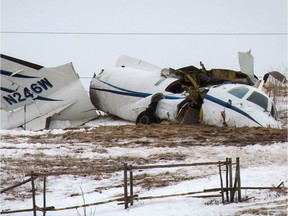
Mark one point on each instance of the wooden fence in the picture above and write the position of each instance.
(44, 209)
(229, 188)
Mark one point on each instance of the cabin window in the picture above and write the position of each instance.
(258, 99)
(239, 91)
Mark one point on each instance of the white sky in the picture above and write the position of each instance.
(265, 21)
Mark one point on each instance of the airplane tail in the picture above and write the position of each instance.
(30, 94)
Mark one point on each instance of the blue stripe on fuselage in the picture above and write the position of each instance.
(127, 92)
(133, 94)
(229, 106)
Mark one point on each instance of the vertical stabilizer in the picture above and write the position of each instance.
(246, 62)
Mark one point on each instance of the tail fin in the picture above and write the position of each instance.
(246, 62)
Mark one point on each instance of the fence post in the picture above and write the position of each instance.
(231, 180)
(33, 194)
(131, 185)
(227, 179)
(44, 196)
(238, 178)
(221, 182)
(125, 186)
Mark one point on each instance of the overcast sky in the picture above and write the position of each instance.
(169, 33)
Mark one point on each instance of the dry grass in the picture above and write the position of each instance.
(162, 179)
(160, 135)
(278, 208)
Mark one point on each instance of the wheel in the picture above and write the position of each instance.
(146, 117)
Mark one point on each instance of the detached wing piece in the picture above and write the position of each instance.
(37, 97)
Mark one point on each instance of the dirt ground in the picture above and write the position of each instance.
(163, 134)
(168, 134)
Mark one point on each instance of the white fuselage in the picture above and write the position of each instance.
(127, 92)
(130, 89)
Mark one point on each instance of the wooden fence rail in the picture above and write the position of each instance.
(16, 185)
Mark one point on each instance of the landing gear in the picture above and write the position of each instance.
(146, 117)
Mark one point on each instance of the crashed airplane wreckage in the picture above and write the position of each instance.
(144, 93)
(35, 97)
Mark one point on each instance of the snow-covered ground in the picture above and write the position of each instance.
(261, 165)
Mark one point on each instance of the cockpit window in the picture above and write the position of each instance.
(239, 91)
(258, 99)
